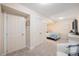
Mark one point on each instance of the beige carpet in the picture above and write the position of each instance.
(47, 48)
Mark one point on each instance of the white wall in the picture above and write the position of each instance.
(38, 30)
(35, 19)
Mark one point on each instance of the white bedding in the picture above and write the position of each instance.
(54, 35)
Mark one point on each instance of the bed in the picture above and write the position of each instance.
(53, 36)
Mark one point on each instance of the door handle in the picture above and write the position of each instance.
(22, 34)
(40, 33)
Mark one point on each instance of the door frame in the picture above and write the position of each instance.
(5, 33)
(4, 10)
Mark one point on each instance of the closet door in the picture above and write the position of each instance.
(15, 33)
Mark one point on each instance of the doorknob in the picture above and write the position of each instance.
(40, 33)
(22, 34)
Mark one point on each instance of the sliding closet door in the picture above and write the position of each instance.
(15, 32)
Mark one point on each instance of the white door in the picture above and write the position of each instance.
(15, 32)
(43, 30)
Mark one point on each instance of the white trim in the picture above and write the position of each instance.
(5, 37)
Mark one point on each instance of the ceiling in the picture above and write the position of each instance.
(52, 9)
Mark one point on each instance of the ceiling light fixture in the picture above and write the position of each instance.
(43, 3)
(61, 18)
